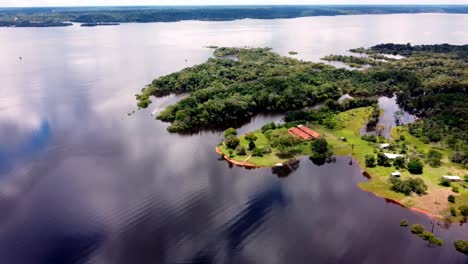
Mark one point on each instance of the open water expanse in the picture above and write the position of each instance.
(82, 182)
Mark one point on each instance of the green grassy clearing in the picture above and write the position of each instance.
(348, 126)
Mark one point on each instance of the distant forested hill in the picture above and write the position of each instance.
(56, 16)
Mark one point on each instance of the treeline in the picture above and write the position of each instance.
(430, 85)
(33, 24)
(352, 61)
(207, 13)
(326, 114)
(408, 49)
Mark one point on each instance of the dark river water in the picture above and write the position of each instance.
(83, 182)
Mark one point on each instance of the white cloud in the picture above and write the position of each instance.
(16, 3)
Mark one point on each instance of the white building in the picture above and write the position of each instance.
(393, 156)
(451, 178)
(395, 174)
(384, 145)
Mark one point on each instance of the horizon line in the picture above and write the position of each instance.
(233, 5)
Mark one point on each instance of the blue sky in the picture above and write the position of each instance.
(213, 2)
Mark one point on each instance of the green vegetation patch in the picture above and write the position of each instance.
(419, 231)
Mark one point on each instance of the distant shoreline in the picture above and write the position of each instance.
(61, 16)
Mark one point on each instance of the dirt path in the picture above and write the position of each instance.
(247, 158)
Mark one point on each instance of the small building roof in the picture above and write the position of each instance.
(452, 178)
(309, 131)
(294, 131)
(396, 173)
(393, 156)
(279, 164)
(384, 145)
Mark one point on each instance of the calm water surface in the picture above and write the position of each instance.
(82, 182)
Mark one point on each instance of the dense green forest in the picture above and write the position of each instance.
(430, 81)
(54, 16)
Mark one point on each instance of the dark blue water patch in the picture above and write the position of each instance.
(34, 143)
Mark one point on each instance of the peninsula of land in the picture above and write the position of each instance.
(422, 165)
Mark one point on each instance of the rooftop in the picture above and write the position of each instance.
(454, 178)
(309, 131)
(294, 131)
(393, 156)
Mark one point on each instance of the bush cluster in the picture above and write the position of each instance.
(408, 186)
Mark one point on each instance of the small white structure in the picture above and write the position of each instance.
(279, 165)
(395, 174)
(452, 178)
(384, 145)
(393, 156)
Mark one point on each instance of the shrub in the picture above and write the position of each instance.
(408, 186)
(461, 246)
(417, 185)
(382, 160)
(404, 223)
(240, 150)
(402, 138)
(231, 155)
(455, 189)
(370, 160)
(464, 210)
(257, 152)
(415, 166)
(400, 186)
(268, 126)
(453, 211)
(251, 145)
(445, 182)
(457, 157)
(426, 235)
(286, 152)
(230, 132)
(370, 138)
(399, 162)
(232, 142)
(436, 241)
(451, 198)
(417, 229)
(434, 157)
(320, 145)
(251, 137)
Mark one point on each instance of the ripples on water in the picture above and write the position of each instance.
(83, 182)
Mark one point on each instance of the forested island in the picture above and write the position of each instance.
(60, 16)
(410, 167)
